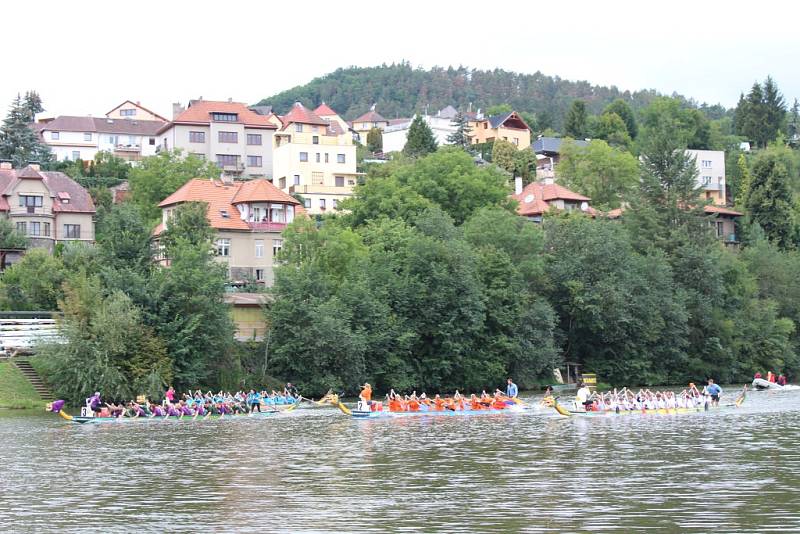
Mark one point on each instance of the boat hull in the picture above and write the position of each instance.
(357, 414)
(761, 384)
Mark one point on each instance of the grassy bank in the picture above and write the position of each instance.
(15, 390)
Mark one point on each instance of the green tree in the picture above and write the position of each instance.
(188, 224)
(624, 111)
(575, 123)
(33, 283)
(793, 124)
(608, 175)
(761, 115)
(611, 128)
(770, 201)
(525, 164)
(18, 142)
(461, 137)
(10, 240)
(375, 140)
(124, 239)
(690, 127)
(32, 104)
(503, 155)
(420, 141)
(157, 177)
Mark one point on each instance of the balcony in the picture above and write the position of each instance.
(321, 189)
(127, 148)
(232, 168)
(713, 185)
(266, 226)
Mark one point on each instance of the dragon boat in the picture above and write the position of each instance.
(705, 407)
(362, 411)
(761, 384)
(85, 417)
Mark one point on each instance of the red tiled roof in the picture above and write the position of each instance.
(68, 123)
(722, 210)
(199, 112)
(58, 184)
(221, 198)
(303, 115)
(324, 110)
(535, 197)
(370, 116)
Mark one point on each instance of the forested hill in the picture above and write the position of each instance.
(399, 90)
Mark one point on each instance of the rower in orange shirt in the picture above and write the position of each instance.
(413, 404)
(438, 403)
(474, 403)
(498, 403)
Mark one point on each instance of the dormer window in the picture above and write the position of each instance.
(64, 197)
(224, 117)
(225, 214)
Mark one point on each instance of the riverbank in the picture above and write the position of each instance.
(15, 390)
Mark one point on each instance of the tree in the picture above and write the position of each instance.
(624, 111)
(32, 104)
(611, 128)
(10, 240)
(770, 201)
(608, 175)
(420, 141)
(188, 224)
(525, 164)
(124, 238)
(503, 155)
(689, 126)
(575, 122)
(461, 137)
(761, 115)
(157, 177)
(793, 123)
(33, 283)
(375, 140)
(499, 109)
(18, 142)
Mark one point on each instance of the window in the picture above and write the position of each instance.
(298, 127)
(317, 158)
(76, 154)
(277, 245)
(339, 158)
(72, 231)
(706, 180)
(223, 247)
(254, 161)
(36, 228)
(114, 140)
(228, 137)
(303, 156)
(253, 139)
(317, 178)
(224, 214)
(296, 179)
(55, 135)
(225, 117)
(322, 203)
(225, 160)
(326, 157)
(46, 229)
(307, 203)
(87, 136)
(315, 129)
(282, 183)
(30, 201)
(197, 137)
(720, 229)
(127, 112)
(315, 140)
(516, 141)
(334, 203)
(706, 163)
(22, 228)
(132, 140)
(259, 275)
(339, 181)
(259, 248)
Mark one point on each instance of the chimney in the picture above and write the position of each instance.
(518, 185)
(5, 164)
(177, 109)
(230, 99)
(35, 165)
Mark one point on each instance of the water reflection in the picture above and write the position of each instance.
(315, 470)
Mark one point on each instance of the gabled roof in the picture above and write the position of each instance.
(301, 114)
(222, 197)
(138, 106)
(261, 110)
(370, 116)
(324, 110)
(552, 145)
(721, 210)
(59, 185)
(199, 112)
(495, 121)
(67, 123)
(448, 112)
(536, 196)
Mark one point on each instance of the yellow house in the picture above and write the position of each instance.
(366, 122)
(315, 158)
(506, 126)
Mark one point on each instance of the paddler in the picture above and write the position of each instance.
(365, 396)
(714, 391)
(511, 389)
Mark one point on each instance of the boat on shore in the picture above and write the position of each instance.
(361, 412)
(763, 385)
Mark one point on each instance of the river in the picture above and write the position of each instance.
(315, 470)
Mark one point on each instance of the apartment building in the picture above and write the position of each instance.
(48, 207)
(248, 217)
(228, 133)
(314, 157)
(710, 174)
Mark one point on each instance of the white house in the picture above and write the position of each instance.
(710, 174)
(395, 135)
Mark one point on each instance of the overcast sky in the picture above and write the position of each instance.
(86, 57)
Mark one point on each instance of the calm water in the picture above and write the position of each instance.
(318, 471)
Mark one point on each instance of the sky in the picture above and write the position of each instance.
(86, 57)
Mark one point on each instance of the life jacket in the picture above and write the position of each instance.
(438, 405)
(475, 404)
(499, 404)
(413, 405)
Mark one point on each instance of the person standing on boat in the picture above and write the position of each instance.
(781, 380)
(582, 396)
(169, 396)
(365, 396)
(714, 391)
(511, 389)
